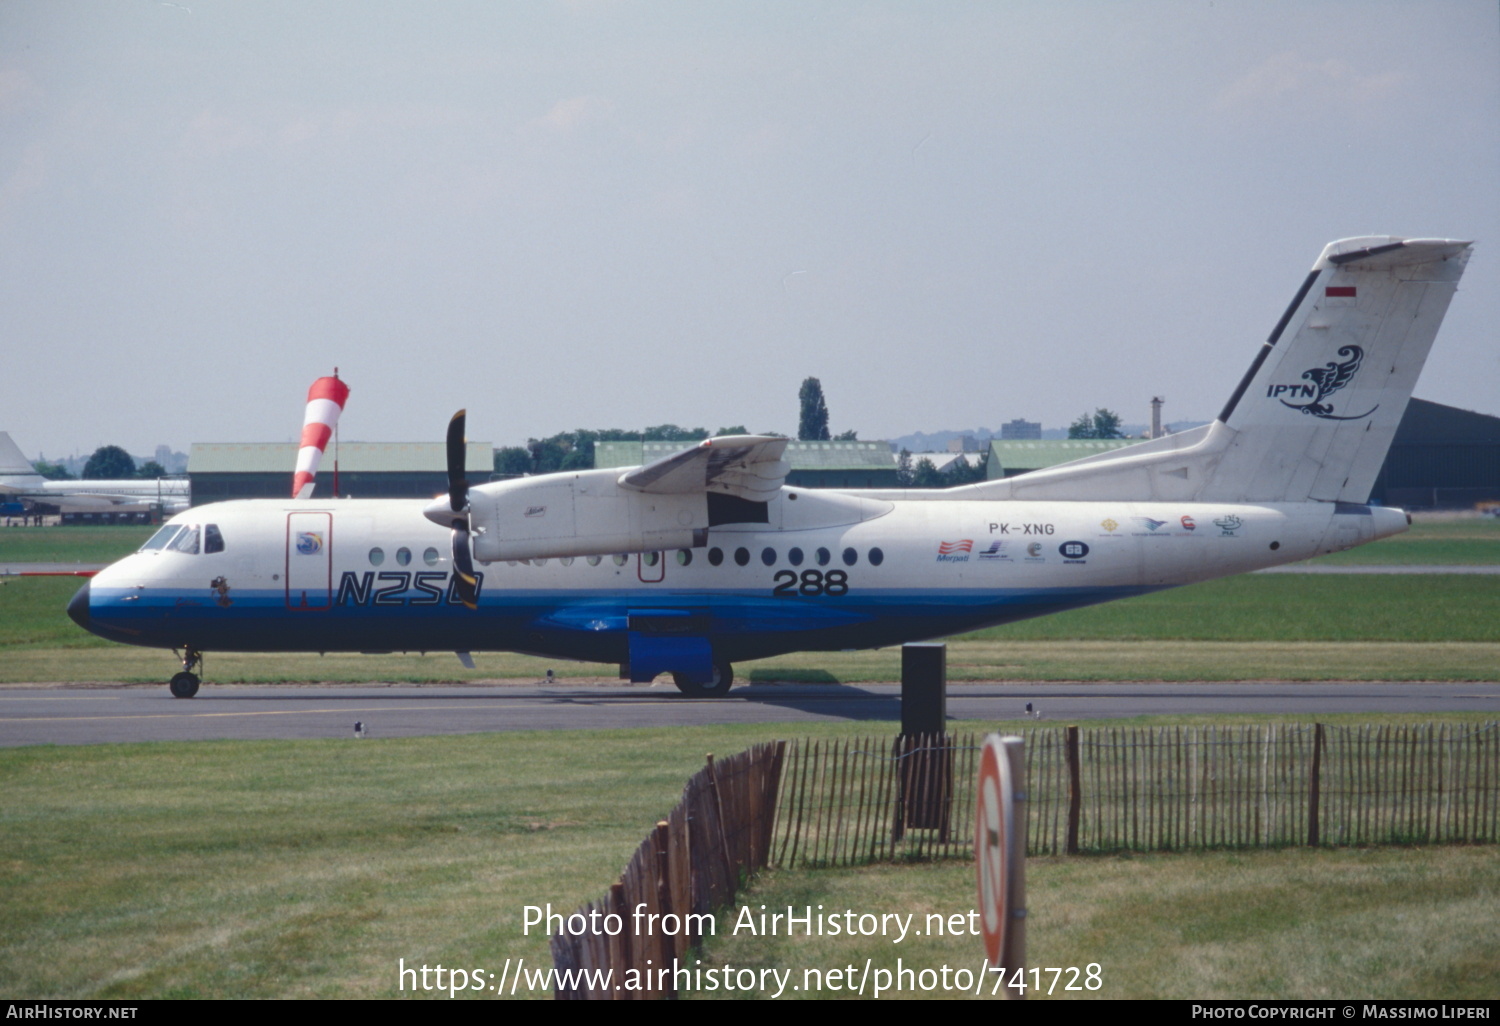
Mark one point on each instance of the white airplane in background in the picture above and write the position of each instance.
(19, 482)
(707, 557)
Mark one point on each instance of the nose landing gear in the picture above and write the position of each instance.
(185, 684)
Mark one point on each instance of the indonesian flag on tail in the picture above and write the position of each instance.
(325, 401)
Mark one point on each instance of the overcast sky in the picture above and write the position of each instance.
(612, 214)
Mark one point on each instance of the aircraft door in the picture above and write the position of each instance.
(309, 560)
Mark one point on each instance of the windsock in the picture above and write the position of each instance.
(325, 401)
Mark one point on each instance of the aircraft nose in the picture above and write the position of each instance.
(78, 606)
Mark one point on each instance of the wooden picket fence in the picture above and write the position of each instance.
(688, 868)
(1147, 789)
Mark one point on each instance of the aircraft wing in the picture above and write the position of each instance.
(746, 466)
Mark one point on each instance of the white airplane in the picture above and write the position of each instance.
(20, 483)
(707, 557)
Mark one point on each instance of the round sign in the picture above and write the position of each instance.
(994, 843)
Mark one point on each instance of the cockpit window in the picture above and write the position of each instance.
(213, 541)
(186, 541)
(161, 539)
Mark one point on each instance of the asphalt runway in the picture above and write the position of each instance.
(103, 714)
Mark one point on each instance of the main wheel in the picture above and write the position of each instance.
(184, 685)
(718, 687)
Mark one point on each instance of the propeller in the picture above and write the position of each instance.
(466, 585)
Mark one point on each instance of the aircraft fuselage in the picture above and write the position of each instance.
(376, 575)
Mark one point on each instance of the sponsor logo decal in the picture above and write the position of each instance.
(1108, 524)
(309, 543)
(1229, 524)
(1187, 523)
(1324, 381)
(1034, 550)
(536, 511)
(955, 552)
(1151, 525)
(993, 552)
(1073, 551)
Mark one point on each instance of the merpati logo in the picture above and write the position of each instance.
(1325, 381)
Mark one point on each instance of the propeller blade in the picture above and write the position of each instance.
(465, 584)
(458, 485)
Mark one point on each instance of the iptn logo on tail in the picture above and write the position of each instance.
(1325, 380)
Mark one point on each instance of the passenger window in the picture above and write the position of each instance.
(566, 561)
(430, 557)
(823, 556)
(768, 556)
(403, 556)
(850, 557)
(684, 557)
(715, 556)
(377, 556)
(876, 557)
(594, 560)
(213, 541)
(794, 556)
(619, 558)
(742, 555)
(650, 558)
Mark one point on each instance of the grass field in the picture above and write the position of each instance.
(308, 868)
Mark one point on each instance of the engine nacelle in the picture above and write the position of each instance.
(580, 514)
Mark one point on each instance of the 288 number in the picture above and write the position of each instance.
(811, 583)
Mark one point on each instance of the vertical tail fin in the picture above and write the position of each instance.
(13, 462)
(1314, 416)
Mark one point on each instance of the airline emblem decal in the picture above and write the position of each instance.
(1326, 380)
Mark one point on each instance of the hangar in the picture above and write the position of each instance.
(366, 470)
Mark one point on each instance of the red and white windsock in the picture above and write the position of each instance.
(325, 401)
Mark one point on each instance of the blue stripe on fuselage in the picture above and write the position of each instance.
(579, 624)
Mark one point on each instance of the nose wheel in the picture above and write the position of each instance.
(185, 684)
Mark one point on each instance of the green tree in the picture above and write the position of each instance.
(847, 436)
(1101, 423)
(812, 426)
(151, 470)
(904, 469)
(513, 459)
(52, 471)
(109, 463)
(926, 475)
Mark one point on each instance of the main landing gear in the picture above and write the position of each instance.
(185, 684)
(718, 687)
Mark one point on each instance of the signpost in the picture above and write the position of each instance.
(1000, 854)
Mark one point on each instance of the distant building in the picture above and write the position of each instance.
(1019, 430)
(1441, 458)
(367, 470)
(964, 443)
(814, 464)
(1009, 458)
